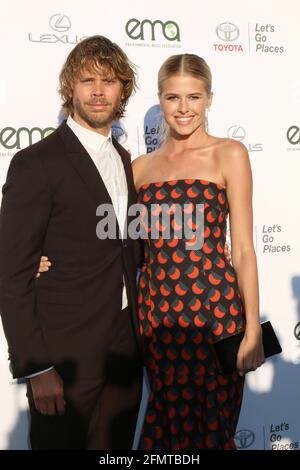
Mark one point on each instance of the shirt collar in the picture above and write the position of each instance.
(88, 138)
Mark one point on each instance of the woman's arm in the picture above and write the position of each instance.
(237, 173)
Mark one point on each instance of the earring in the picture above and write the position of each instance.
(206, 118)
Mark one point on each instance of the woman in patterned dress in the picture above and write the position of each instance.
(189, 295)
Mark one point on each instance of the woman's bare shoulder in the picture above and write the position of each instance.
(138, 161)
(231, 146)
(145, 160)
(229, 151)
(141, 166)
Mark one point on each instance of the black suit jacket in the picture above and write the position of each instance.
(67, 316)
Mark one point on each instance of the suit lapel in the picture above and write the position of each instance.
(87, 171)
(84, 165)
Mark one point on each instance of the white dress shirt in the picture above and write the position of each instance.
(109, 164)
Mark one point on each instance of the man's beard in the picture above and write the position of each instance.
(97, 119)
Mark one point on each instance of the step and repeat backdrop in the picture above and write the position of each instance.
(253, 51)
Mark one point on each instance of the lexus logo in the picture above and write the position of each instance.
(236, 132)
(227, 32)
(244, 438)
(297, 331)
(293, 135)
(60, 22)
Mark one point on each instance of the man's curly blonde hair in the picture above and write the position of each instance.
(97, 53)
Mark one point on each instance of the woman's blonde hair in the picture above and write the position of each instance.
(185, 64)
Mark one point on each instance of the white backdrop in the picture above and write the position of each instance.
(253, 50)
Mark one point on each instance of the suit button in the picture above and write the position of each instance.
(121, 285)
(124, 244)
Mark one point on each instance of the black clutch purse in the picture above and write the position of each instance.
(227, 349)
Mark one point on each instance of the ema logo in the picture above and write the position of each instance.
(293, 135)
(297, 331)
(227, 33)
(11, 138)
(244, 438)
(136, 29)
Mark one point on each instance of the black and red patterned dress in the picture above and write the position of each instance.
(187, 298)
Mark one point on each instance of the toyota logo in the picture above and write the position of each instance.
(244, 438)
(118, 133)
(60, 23)
(293, 135)
(236, 132)
(297, 331)
(227, 32)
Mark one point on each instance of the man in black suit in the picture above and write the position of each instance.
(73, 332)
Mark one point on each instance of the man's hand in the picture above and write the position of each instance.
(48, 393)
(43, 266)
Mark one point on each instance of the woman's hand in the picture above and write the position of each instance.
(44, 266)
(251, 352)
